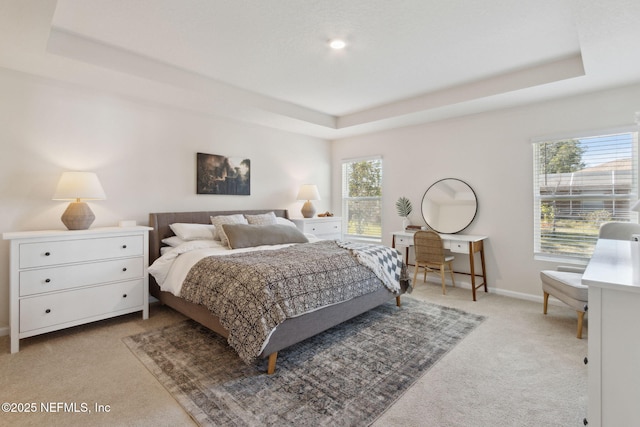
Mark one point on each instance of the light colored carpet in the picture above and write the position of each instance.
(518, 368)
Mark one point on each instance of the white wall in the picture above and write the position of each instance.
(144, 155)
(491, 152)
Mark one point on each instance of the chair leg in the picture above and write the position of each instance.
(453, 280)
(546, 302)
(580, 320)
(415, 272)
(444, 291)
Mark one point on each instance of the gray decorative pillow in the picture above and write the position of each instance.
(251, 235)
(226, 219)
(262, 219)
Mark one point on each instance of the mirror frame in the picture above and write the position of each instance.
(468, 223)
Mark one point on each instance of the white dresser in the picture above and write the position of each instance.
(613, 277)
(329, 228)
(63, 278)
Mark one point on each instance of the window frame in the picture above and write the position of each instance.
(345, 199)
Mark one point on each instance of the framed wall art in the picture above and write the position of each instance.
(218, 174)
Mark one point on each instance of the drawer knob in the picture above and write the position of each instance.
(124, 268)
(47, 253)
(48, 310)
(586, 361)
(124, 296)
(47, 280)
(124, 246)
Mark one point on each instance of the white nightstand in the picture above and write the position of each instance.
(329, 228)
(63, 278)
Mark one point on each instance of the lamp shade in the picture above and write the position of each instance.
(79, 185)
(309, 192)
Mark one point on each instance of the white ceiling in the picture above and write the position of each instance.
(268, 62)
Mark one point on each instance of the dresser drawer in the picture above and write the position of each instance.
(320, 228)
(42, 254)
(63, 307)
(71, 276)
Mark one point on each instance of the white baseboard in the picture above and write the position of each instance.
(498, 291)
(528, 297)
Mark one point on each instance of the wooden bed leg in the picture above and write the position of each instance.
(271, 369)
(398, 303)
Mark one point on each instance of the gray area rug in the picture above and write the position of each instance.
(346, 376)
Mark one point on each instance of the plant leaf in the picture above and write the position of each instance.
(403, 205)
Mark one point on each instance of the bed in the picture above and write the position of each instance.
(290, 331)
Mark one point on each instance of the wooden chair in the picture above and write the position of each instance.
(430, 256)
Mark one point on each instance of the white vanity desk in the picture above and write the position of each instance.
(458, 243)
(613, 277)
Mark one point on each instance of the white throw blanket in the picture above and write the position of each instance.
(385, 262)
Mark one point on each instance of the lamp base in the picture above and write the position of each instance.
(78, 216)
(308, 210)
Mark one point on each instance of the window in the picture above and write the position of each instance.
(579, 183)
(362, 199)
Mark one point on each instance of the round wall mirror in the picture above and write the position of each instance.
(449, 206)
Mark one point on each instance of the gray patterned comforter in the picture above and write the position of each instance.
(254, 292)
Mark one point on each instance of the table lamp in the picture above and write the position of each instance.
(308, 192)
(78, 186)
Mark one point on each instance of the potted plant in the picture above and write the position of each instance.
(403, 205)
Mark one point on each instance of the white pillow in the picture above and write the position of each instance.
(261, 219)
(187, 231)
(226, 219)
(173, 241)
(285, 221)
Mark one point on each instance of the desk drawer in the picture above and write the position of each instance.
(42, 254)
(403, 241)
(72, 276)
(58, 308)
(458, 247)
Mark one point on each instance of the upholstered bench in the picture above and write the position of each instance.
(566, 283)
(567, 287)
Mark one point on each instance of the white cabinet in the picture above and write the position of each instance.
(66, 278)
(329, 228)
(613, 277)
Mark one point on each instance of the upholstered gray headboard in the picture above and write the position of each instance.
(161, 221)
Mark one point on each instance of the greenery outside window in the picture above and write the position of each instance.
(362, 199)
(580, 183)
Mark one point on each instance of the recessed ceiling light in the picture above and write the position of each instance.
(337, 44)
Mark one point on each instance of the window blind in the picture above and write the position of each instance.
(580, 183)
